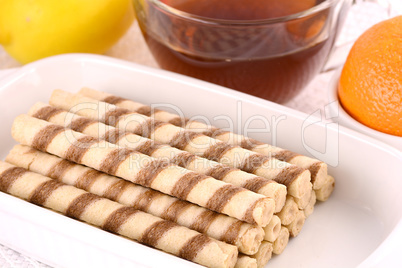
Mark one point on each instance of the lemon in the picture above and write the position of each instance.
(34, 29)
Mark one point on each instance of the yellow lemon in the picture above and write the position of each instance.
(34, 29)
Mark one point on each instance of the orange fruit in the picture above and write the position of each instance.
(370, 86)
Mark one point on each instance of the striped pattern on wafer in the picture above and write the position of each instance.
(149, 147)
(144, 170)
(296, 179)
(317, 168)
(116, 218)
(245, 236)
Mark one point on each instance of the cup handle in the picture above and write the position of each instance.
(340, 51)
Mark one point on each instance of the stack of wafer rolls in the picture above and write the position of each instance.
(318, 169)
(154, 173)
(231, 191)
(128, 121)
(116, 218)
(295, 178)
(184, 159)
(221, 227)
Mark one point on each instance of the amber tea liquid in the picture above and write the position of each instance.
(270, 61)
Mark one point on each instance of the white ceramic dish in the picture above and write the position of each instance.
(359, 226)
(346, 120)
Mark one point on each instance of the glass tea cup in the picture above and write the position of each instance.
(268, 48)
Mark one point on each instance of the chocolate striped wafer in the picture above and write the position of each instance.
(317, 168)
(221, 227)
(115, 217)
(296, 179)
(245, 261)
(149, 147)
(144, 170)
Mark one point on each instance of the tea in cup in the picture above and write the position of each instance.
(268, 48)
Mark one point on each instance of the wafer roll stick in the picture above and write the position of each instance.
(144, 170)
(317, 168)
(263, 254)
(296, 225)
(115, 217)
(244, 261)
(221, 227)
(309, 209)
(281, 242)
(296, 179)
(272, 229)
(288, 212)
(326, 190)
(184, 159)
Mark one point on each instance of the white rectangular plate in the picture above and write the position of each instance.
(360, 224)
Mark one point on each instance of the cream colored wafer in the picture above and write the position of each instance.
(296, 225)
(144, 170)
(309, 209)
(317, 168)
(326, 190)
(244, 261)
(288, 212)
(273, 229)
(303, 201)
(221, 227)
(296, 179)
(115, 217)
(281, 242)
(263, 254)
(184, 159)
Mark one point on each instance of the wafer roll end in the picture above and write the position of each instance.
(244, 261)
(273, 229)
(226, 257)
(263, 211)
(281, 242)
(277, 192)
(300, 185)
(325, 191)
(303, 201)
(320, 171)
(296, 225)
(309, 209)
(14, 156)
(264, 254)
(251, 240)
(288, 213)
